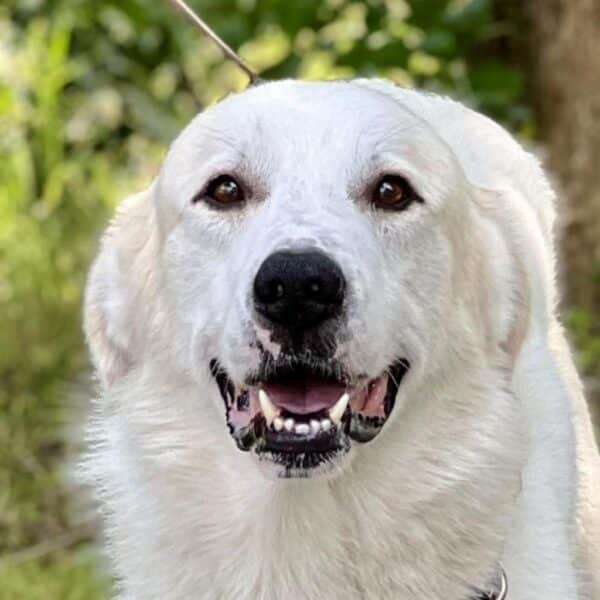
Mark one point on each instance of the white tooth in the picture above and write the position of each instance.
(302, 429)
(325, 424)
(315, 426)
(289, 424)
(337, 412)
(267, 407)
(278, 423)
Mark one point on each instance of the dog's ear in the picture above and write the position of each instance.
(121, 288)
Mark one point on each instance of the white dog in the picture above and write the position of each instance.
(330, 363)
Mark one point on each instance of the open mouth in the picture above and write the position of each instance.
(301, 414)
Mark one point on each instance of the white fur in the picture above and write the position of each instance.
(488, 455)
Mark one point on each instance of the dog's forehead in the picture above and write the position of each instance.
(314, 101)
(322, 114)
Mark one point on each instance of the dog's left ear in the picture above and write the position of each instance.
(121, 292)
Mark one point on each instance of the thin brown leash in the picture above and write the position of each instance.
(206, 30)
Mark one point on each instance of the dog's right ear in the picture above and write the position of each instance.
(120, 295)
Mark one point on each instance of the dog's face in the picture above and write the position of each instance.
(308, 262)
(317, 259)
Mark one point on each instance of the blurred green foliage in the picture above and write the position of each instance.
(90, 95)
(584, 330)
(70, 576)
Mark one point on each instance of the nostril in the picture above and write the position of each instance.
(313, 289)
(268, 291)
(277, 290)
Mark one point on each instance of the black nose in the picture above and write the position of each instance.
(299, 290)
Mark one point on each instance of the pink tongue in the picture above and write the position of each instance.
(307, 398)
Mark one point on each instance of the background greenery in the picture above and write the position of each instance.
(91, 93)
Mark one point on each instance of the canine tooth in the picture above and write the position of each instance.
(278, 423)
(302, 429)
(269, 411)
(325, 424)
(289, 424)
(315, 426)
(337, 412)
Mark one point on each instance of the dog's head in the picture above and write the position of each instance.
(318, 253)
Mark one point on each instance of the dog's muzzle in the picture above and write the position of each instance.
(303, 408)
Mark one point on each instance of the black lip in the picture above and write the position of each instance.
(222, 380)
(330, 441)
(287, 369)
(301, 465)
(396, 371)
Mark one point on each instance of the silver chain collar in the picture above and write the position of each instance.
(500, 590)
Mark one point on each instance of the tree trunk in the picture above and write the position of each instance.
(564, 49)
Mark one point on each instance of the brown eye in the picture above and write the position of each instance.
(223, 192)
(394, 193)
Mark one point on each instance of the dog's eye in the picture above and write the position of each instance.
(393, 192)
(223, 192)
